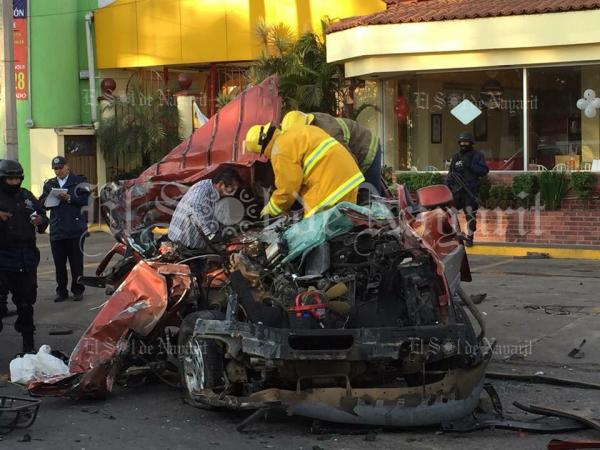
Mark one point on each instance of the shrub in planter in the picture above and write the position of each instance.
(583, 184)
(553, 187)
(387, 173)
(500, 197)
(524, 189)
(415, 181)
(484, 190)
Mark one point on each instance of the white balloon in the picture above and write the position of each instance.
(590, 112)
(596, 103)
(589, 94)
(582, 103)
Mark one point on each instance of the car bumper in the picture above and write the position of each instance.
(359, 344)
(452, 397)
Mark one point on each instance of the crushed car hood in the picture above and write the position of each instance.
(137, 306)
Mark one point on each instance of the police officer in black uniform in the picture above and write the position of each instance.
(467, 167)
(21, 215)
(68, 227)
(3, 297)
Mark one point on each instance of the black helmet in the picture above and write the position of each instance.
(10, 168)
(465, 136)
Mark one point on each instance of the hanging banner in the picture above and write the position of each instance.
(20, 45)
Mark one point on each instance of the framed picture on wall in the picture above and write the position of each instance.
(436, 128)
(480, 127)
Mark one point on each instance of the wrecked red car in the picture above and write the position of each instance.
(355, 315)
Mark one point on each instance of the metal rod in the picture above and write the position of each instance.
(525, 120)
(89, 17)
(381, 115)
(29, 123)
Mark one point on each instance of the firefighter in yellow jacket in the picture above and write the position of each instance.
(359, 140)
(309, 165)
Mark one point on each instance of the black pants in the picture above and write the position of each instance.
(469, 205)
(22, 286)
(3, 296)
(72, 250)
(372, 184)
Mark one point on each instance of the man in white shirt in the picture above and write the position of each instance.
(194, 218)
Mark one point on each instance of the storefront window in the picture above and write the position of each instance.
(560, 135)
(365, 109)
(421, 123)
(392, 138)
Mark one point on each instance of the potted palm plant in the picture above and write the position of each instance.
(136, 130)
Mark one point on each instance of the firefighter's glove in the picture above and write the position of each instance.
(265, 211)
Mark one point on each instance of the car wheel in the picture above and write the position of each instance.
(470, 348)
(462, 317)
(201, 360)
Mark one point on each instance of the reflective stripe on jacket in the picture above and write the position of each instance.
(312, 167)
(356, 138)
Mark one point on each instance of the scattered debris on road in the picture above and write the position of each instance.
(542, 379)
(534, 255)
(478, 298)
(577, 353)
(556, 444)
(545, 411)
(60, 332)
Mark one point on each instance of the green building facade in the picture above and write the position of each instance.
(58, 101)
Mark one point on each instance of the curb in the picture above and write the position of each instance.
(553, 252)
(98, 228)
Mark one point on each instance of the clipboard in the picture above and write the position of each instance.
(53, 200)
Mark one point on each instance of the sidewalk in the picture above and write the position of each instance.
(523, 250)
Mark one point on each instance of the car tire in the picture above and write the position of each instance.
(462, 317)
(468, 347)
(200, 360)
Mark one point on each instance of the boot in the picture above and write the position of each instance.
(28, 343)
(469, 240)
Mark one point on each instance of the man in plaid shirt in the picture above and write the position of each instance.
(194, 218)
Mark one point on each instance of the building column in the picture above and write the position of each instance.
(590, 128)
(8, 100)
(525, 119)
(213, 89)
(186, 115)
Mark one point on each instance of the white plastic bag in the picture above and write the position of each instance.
(34, 367)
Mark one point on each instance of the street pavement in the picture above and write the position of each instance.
(538, 310)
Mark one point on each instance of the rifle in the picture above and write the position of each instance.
(462, 185)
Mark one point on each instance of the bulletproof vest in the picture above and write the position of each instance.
(471, 179)
(18, 230)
